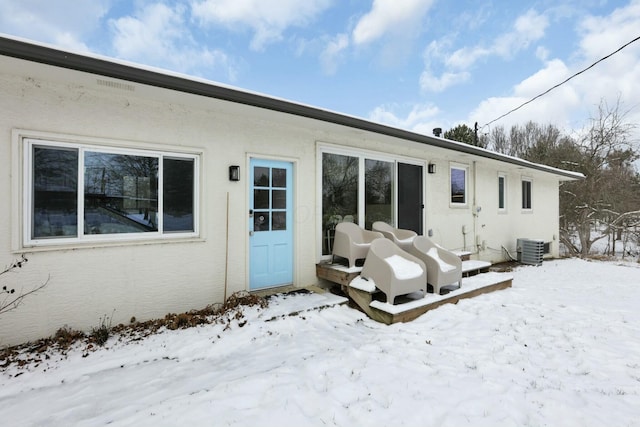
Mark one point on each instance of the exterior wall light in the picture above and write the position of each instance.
(234, 173)
(431, 168)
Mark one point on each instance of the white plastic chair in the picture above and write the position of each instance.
(394, 271)
(352, 242)
(443, 266)
(401, 237)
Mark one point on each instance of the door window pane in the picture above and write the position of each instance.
(279, 220)
(261, 221)
(178, 194)
(378, 186)
(55, 193)
(339, 194)
(261, 199)
(261, 176)
(279, 178)
(279, 199)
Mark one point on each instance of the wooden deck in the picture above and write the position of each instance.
(477, 280)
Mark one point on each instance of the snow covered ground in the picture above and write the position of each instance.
(562, 347)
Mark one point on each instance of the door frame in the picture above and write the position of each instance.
(294, 212)
(324, 147)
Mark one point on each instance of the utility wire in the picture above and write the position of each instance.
(563, 82)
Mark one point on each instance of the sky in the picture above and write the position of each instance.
(561, 347)
(412, 64)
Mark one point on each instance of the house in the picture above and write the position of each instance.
(141, 192)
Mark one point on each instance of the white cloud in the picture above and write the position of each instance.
(420, 117)
(64, 23)
(390, 16)
(571, 105)
(555, 71)
(157, 35)
(431, 83)
(526, 29)
(542, 53)
(465, 57)
(268, 19)
(334, 52)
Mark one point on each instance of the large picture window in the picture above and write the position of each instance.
(78, 192)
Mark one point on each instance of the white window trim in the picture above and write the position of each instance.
(465, 168)
(361, 154)
(505, 192)
(530, 181)
(27, 142)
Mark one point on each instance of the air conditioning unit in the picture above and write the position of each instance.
(530, 251)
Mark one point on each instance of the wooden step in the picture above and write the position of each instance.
(411, 306)
(473, 267)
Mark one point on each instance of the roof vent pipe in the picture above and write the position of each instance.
(437, 131)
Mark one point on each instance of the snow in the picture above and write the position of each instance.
(417, 299)
(561, 347)
(403, 268)
(444, 266)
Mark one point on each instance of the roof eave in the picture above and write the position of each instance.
(104, 67)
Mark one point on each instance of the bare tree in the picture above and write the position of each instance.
(591, 208)
(602, 204)
(13, 299)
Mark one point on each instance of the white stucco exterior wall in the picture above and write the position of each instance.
(150, 278)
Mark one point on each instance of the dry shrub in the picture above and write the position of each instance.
(35, 352)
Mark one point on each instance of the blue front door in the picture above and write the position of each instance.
(270, 224)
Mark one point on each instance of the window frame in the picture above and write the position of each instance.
(362, 155)
(502, 192)
(465, 169)
(29, 142)
(526, 195)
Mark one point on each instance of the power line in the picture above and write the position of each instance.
(563, 82)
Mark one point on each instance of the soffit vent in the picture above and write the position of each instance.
(116, 85)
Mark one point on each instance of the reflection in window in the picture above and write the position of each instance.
(339, 194)
(458, 185)
(526, 194)
(279, 221)
(55, 193)
(261, 176)
(261, 221)
(378, 185)
(279, 177)
(178, 193)
(269, 199)
(120, 193)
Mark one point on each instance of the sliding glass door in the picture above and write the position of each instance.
(361, 189)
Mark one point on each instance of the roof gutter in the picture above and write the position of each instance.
(104, 67)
